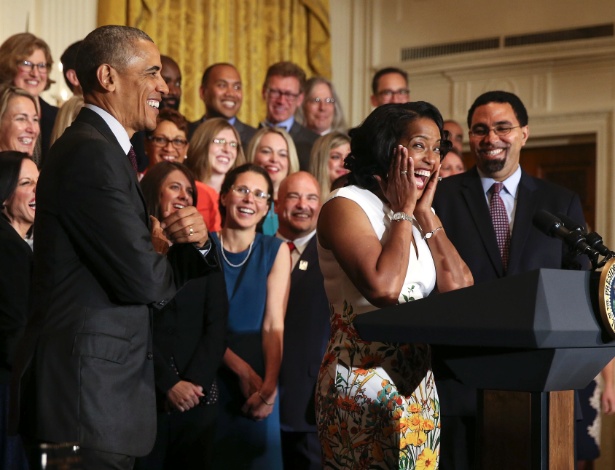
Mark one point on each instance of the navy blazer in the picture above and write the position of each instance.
(86, 361)
(462, 207)
(306, 334)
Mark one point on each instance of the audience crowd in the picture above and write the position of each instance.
(237, 351)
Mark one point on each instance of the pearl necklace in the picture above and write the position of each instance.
(226, 259)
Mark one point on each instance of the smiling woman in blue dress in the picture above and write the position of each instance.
(257, 273)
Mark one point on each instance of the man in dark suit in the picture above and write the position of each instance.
(306, 325)
(498, 124)
(222, 92)
(283, 92)
(85, 363)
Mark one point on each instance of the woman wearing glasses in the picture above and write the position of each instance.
(321, 111)
(257, 273)
(376, 403)
(25, 61)
(215, 148)
(273, 149)
(168, 143)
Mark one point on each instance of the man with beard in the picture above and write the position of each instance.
(222, 92)
(495, 189)
(306, 325)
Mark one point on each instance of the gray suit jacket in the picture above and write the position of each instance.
(85, 362)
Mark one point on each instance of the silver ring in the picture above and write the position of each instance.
(190, 231)
(404, 172)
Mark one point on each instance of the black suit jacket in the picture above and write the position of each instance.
(306, 333)
(15, 279)
(48, 119)
(245, 131)
(189, 334)
(462, 207)
(304, 141)
(86, 360)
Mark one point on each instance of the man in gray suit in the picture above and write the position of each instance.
(222, 92)
(283, 94)
(85, 363)
(306, 325)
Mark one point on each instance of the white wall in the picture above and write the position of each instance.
(58, 22)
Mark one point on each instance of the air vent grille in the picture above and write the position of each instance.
(545, 37)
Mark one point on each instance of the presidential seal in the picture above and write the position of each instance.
(606, 297)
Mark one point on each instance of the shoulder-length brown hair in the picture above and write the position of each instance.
(198, 153)
(152, 183)
(19, 47)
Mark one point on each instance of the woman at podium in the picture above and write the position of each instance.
(381, 244)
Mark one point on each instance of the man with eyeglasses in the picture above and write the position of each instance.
(283, 92)
(222, 92)
(487, 213)
(390, 85)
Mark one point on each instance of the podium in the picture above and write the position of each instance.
(524, 342)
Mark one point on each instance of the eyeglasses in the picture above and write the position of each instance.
(27, 66)
(221, 142)
(483, 131)
(275, 94)
(161, 141)
(321, 100)
(257, 193)
(391, 93)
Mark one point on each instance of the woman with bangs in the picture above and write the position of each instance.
(215, 149)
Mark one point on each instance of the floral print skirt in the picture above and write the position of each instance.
(376, 404)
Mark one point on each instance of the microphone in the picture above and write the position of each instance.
(552, 226)
(593, 239)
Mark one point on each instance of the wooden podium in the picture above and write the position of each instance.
(525, 342)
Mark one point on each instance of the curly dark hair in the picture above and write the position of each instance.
(372, 144)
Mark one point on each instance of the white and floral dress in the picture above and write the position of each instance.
(376, 403)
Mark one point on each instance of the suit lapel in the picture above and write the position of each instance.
(472, 192)
(90, 117)
(308, 256)
(527, 198)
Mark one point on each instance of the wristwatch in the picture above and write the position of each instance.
(399, 216)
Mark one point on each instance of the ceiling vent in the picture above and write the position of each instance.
(545, 37)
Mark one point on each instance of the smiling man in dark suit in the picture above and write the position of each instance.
(498, 124)
(86, 360)
(283, 92)
(306, 325)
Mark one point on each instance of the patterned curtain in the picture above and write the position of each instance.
(251, 34)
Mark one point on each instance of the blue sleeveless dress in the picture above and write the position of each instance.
(241, 442)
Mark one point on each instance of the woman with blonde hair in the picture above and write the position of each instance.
(25, 61)
(66, 115)
(215, 148)
(273, 149)
(327, 160)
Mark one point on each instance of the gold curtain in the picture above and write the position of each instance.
(251, 34)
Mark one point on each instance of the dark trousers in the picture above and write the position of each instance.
(183, 440)
(301, 451)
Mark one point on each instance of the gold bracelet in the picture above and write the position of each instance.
(264, 401)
